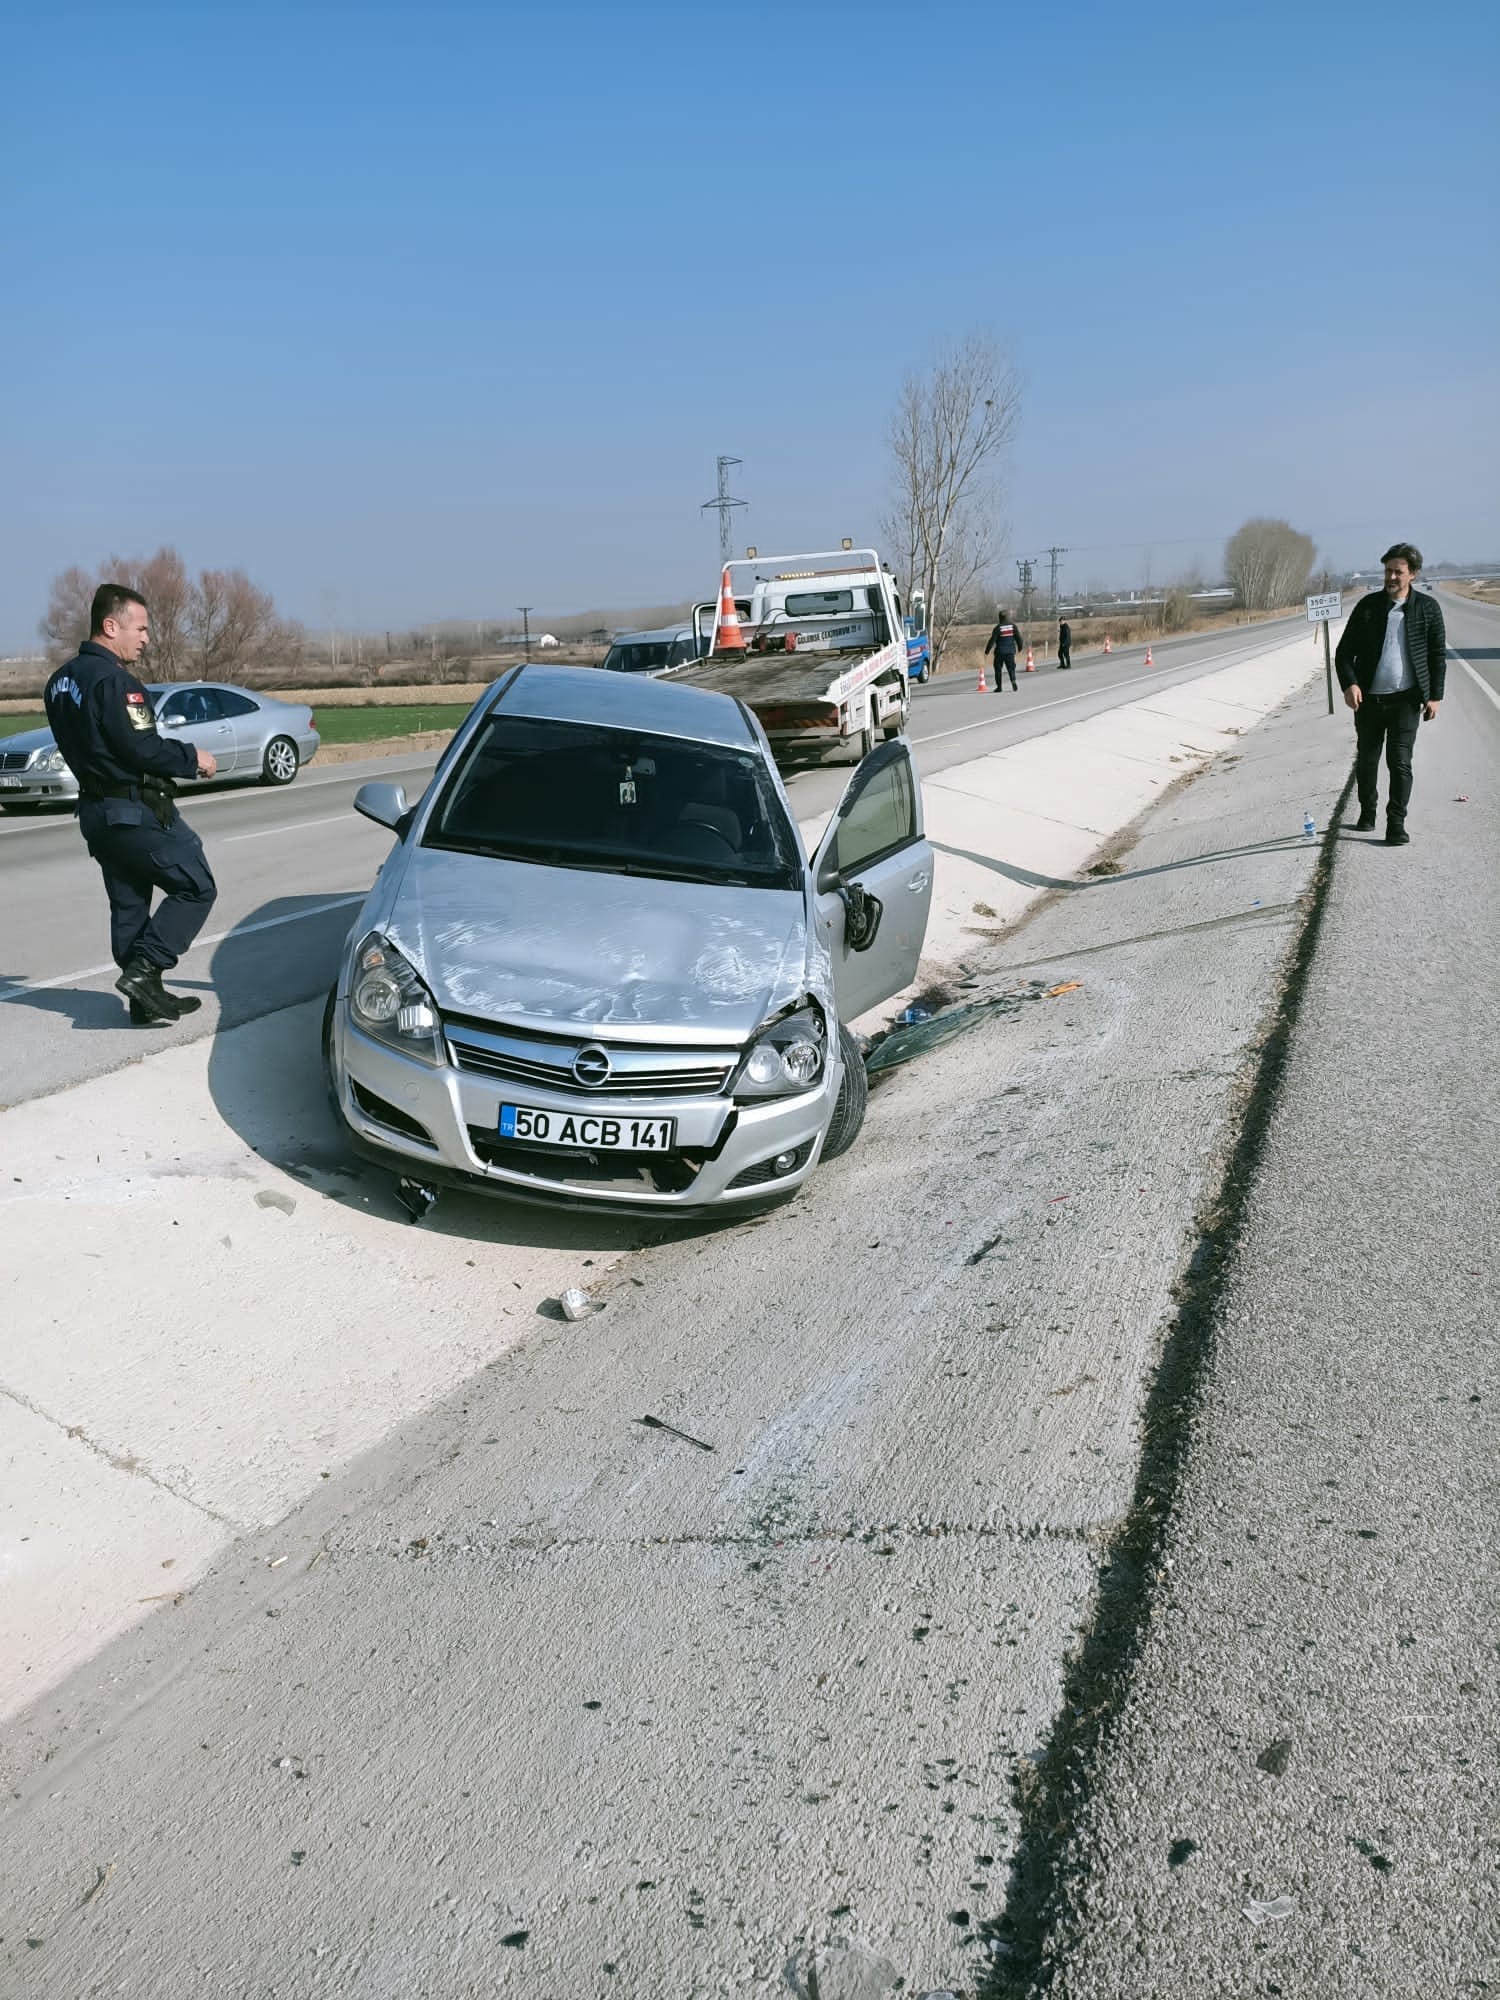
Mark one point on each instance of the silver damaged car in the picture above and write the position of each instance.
(599, 968)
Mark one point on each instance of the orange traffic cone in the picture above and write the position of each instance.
(730, 639)
(1107, 646)
(981, 689)
(1030, 661)
(1148, 655)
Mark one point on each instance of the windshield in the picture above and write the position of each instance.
(643, 656)
(578, 795)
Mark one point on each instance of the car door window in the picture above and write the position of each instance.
(231, 702)
(881, 818)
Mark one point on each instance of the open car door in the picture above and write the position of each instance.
(872, 882)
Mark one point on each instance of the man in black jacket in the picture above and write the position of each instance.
(1004, 643)
(1392, 665)
(106, 729)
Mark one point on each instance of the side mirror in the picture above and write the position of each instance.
(172, 719)
(862, 913)
(385, 804)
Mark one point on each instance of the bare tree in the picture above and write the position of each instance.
(66, 624)
(231, 625)
(950, 431)
(1268, 562)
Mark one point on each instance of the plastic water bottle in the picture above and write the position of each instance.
(1309, 826)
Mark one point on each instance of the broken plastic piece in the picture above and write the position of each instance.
(911, 1015)
(576, 1303)
(1275, 1912)
(901, 1044)
(416, 1197)
(1068, 986)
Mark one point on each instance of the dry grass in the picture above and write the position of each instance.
(965, 647)
(1486, 590)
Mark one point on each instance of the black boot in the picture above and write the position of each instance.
(140, 982)
(1366, 821)
(142, 1017)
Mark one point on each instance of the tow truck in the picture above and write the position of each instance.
(821, 659)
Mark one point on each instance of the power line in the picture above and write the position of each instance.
(724, 506)
(1052, 556)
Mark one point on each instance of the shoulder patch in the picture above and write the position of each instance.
(138, 709)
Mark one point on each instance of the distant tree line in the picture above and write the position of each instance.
(209, 627)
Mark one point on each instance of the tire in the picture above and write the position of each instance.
(326, 1044)
(281, 762)
(849, 1107)
(865, 742)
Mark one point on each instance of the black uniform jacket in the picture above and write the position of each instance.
(106, 727)
(1004, 639)
(1359, 651)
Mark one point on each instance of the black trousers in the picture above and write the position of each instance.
(1065, 654)
(1391, 720)
(137, 855)
(1005, 662)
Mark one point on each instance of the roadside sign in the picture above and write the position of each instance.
(1329, 606)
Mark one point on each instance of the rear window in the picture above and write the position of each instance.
(578, 795)
(820, 603)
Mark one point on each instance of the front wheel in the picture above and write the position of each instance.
(281, 762)
(853, 1097)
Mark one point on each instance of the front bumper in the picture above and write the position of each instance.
(441, 1124)
(38, 788)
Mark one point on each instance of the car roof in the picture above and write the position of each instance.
(624, 701)
(659, 632)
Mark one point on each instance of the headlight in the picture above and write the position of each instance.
(787, 1055)
(51, 760)
(389, 1002)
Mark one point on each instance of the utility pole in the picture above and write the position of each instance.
(1023, 571)
(526, 611)
(1053, 555)
(725, 506)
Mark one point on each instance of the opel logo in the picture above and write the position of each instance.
(591, 1066)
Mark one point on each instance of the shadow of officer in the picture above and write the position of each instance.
(106, 729)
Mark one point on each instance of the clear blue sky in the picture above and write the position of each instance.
(417, 311)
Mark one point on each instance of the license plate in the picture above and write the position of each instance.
(594, 1133)
(12, 783)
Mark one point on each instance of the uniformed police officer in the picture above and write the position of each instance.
(106, 729)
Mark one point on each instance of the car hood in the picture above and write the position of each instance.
(559, 947)
(29, 740)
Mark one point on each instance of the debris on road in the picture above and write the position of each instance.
(1274, 1757)
(911, 1036)
(576, 1303)
(658, 1424)
(840, 1972)
(98, 1889)
(274, 1198)
(1275, 1912)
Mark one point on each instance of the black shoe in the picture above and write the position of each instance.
(1397, 836)
(140, 982)
(142, 1017)
(1365, 823)
(185, 1003)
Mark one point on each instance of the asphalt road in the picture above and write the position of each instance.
(292, 865)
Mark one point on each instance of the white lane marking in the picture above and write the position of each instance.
(291, 826)
(214, 937)
(1477, 678)
(1089, 694)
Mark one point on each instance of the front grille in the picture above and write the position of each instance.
(660, 1173)
(391, 1116)
(517, 1055)
(15, 760)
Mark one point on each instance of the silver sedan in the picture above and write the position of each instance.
(251, 736)
(599, 967)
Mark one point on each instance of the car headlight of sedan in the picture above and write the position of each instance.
(51, 760)
(786, 1056)
(389, 1003)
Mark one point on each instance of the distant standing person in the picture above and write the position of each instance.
(1064, 645)
(1003, 642)
(1392, 665)
(105, 727)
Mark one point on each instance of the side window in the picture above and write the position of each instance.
(882, 818)
(231, 703)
